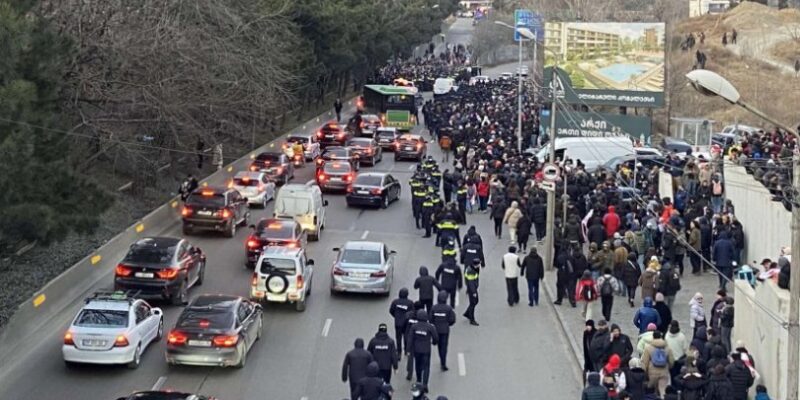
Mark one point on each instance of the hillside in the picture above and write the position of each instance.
(764, 81)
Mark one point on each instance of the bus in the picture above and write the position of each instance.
(396, 105)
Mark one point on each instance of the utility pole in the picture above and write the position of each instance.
(519, 100)
(793, 347)
(551, 194)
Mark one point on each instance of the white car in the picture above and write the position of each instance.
(506, 75)
(522, 71)
(112, 328)
(255, 186)
(311, 148)
(282, 275)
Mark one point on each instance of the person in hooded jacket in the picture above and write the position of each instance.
(699, 340)
(539, 218)
(372, 386)
(612, 377)
(498, 214)
(599, 346)
(511, 217)
(630, 277)
(533, 270)
(619, 344)
(611, 222)
(740, 377)
(588, 334)
(649, 280)
(635, 379)
(472, 236)
(384, 352)
(421, 336)
(443, 317)
(564, 279)
(449, 276)
(657, 359)
(472, 250)
(399, 311)
(717, 356)
(425, 284)
(646, 315)
(411, 320)
(723, 255)
(719, 387)
(594, 391)
(597, 232)
(697, 314)
(663, 312)
(691, 381)
(355, 366)
(523, 233)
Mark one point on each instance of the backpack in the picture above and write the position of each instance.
(675, 280)
(588, 293)
(659, 357)
(606, 289)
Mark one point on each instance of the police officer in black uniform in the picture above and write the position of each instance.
(384, 352)
(421, 336)
(399, 311)
(418, 194)
(449, 276)
(471, 281)
(461, 201)
(372, 386)
(411, 319)
(355, 366)
(443, 317)
(425, 283)
(427, 215)
(471, 252)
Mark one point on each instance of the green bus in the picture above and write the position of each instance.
(396, 105)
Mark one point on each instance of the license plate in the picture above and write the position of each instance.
(328, 136)
(144, 274)
(359, 274)
(409, 148)
(207, 213)
(336, 179)
(93, 342)
(200, 343)
(363, 192)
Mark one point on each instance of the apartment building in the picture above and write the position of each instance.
(565, 39)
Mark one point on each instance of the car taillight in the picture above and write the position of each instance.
(340, 135)
(320, 134)
(376, 192)
(322, 177)
(300, 282)
(253, 243)
(121, 341)
(186, 211)
(363, 124)
(279, 170)
(368, 151)
(169, 273)
(347, 178)
(419, 146)
(253, 168)
(379, 274)
(349, 189)
(123, 270)
(68, 339)
(176, 338)
(254, 281)
(339, 272)
(226, 340)
(226, 213)
(291, 245)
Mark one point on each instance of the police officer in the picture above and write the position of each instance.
(418, 194)
(447, 185)
(425, 283)
(472, 236)
(449, 251)
(471, 281)
(447, 230)
(372, 386)
(384, 352)
(461, 201)
(449, 276)
(442, 318)
(427, 215)
(399, 310)
(421, 337)
(355, 366)
(411, 319)
(436, 176)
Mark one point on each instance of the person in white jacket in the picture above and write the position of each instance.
(697, 314)
(511, 218)
(676, 340)
(511, 266)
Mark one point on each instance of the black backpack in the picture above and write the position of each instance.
(607, 289)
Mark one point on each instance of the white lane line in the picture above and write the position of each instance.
(327, 327)
(411, 167)
(159, 383)
(462, 365)
(364, 235)
(457, 298)
(304, 398)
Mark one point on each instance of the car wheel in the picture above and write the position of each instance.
(179, 298)
(385, 202)
(187, 230)
(137, 357)
(231, 231)
(264, 203)
(242, 356)
(260, 328)
(300, 306)
(160, 331)
(70, 364)
(201, 275)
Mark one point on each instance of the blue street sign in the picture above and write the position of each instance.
(522, 19)
(538, 27)
(544, 113)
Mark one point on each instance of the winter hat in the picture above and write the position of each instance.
(659, 297)
(602, 323)
(651, 327)
(635, 363)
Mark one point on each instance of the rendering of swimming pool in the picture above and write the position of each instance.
(622, 72)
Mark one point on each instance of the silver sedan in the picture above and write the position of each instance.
(363, 267)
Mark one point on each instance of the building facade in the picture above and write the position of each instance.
(565, 39)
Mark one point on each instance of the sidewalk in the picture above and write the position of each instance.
(622, 314)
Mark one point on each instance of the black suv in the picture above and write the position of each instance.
(161, 267)
(215, 209)
(333, 134)
(276, 165)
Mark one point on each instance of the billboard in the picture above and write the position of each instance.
(610, 63)
(586, 124)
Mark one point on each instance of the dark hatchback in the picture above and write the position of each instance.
(335, 175)
(274, 232)
(215, 209)
(333, 134)
(215, 330)
(410, 146)
(340, 153)
(373, 189)
(367, 150)
(165, 395)
(161, 267)
(276, 165)
(387, 138)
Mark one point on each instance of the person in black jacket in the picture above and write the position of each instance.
(443, 317)
(399, 310)
(539, 218)
(384, 352)
(470, 252)
(355, 366)
(533, 270)
(411, 319)
(598, 348)
(596, 232)
(523, 232)
(425, 284)
(594, 391)
(421, 336)
(372, 386)
(449, 276)
(619, 344)
(588, 334)
(719, 387)
(472, 236)
(630, 276)
(564, 278)
(693, 384)
(740, 377)
(635, 379)
(472, 281)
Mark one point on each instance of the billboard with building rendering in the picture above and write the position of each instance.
(609, 63)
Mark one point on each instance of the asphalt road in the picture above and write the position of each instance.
(514, 353)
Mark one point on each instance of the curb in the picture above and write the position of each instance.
(577, 352)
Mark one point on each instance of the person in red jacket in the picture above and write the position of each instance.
(611, 221)
(483, 194)
(586, 293)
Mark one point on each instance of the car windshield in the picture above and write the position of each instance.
(213, 201)
(354, 256)
(150, 255)
(387, 134)
(297, 139)
(271, 157)
(293, 206)
(271, 265)
(206, 317)
(360, 143)
(102, 318)
(336, 168)
(340, 152)
(369, 180)
(276, 230)
(245, 182)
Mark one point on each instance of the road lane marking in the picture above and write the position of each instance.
(327, 327)
(96, 259)
(304, 398)
(364, 235)
(39, 300)
(159, 383)
(462, 365)
(411, 167)
(139, 228)
(456, 298)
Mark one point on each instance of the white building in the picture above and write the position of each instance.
(702, 7)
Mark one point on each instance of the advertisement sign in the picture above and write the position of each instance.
(585, 124)
(528, 19)
(608, 63)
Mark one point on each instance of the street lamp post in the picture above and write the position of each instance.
(526, 33)
(712, 84)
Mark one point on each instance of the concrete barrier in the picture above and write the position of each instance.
(75, 283)
(766, 223)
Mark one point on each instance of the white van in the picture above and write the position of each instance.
(592, 151)
(443, 86)
(303, 203)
